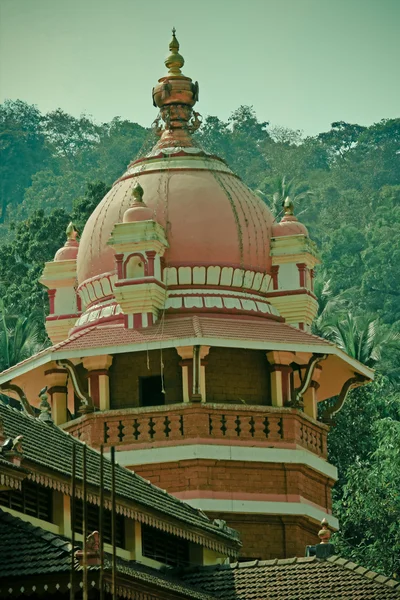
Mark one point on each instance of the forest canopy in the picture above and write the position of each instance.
(345, 184)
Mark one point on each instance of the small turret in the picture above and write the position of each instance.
(139, 243)
(59, 276)
(294, 257)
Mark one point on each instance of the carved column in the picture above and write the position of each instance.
(280, 370)
(193, 365)
(56, 381)
(186, 354)
(99, 380)
(310, 397)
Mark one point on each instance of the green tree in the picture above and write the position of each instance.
(22, 151)
(369, 510)
(19, 337)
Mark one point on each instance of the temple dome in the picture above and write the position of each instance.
(209, 215)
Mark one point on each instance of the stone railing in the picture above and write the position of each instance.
(201, 423)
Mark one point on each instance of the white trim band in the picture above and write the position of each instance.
(221, 452)
(264, 508)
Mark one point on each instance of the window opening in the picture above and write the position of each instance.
(32, 499)
(164, 547)
(93, 516)
(150, 391)
(135, 268)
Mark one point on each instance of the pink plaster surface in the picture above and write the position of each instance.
(209, 218)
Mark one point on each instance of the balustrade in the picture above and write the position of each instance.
(201, 423)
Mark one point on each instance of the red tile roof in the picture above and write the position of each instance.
(293, 578)
(190, 327)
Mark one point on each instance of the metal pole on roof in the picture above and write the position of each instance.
(84, 525)
(101, 523)
(113, 527)
(72, 514)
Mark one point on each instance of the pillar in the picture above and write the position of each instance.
(99, 379)
(280, 370)
(56, 381)
(310, 397)
(188, 354)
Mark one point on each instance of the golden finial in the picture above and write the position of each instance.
(324, 534)
(72, 232)
(174, 61)
(137, 192)
(288, 206)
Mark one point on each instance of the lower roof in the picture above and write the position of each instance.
(293, 578)
(27, 551)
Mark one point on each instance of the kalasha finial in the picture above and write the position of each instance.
(137, 192)
(324, 534)
(288, 206)
(175, 61)
(72, 232)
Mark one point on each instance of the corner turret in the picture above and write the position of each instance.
(59, 276)
(294, 257)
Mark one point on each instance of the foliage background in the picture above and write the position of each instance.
(346, 187)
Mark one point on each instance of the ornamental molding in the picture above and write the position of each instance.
(228, 549)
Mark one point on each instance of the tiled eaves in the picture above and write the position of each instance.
(305, 578)
(184, 330)
(32, 551)
(50, 449)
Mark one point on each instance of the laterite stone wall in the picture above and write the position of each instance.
(240, 479)
(128, 367)
(237, 375)
(267, 537)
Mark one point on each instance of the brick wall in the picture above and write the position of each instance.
(128, 367)
(234, 374)
(238, 477)
(267, 537)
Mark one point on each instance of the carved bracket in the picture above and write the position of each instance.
(353, 382)
(86, 401)
(11, 387)
(298, 393)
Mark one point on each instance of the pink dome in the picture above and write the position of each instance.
(289, 225)
(68, 252)
(209, 215)
(138, 211)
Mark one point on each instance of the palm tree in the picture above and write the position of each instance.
(365, 340)
(361, 337)
(288, 189)
(19, 338)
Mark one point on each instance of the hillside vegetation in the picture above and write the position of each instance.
(345, 184)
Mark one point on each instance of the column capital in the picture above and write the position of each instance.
(98, 363)
(280, 358)
(186, 352)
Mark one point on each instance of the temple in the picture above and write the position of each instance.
(180, 324)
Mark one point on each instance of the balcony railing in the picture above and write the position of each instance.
(201, 423)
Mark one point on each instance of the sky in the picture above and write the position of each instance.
(301, 64)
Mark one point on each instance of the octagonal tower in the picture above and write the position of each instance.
(191, 351)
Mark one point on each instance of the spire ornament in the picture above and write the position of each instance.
(288, 206)
(175, 95)
(72, 232)
(137, 192)
(174, 61)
